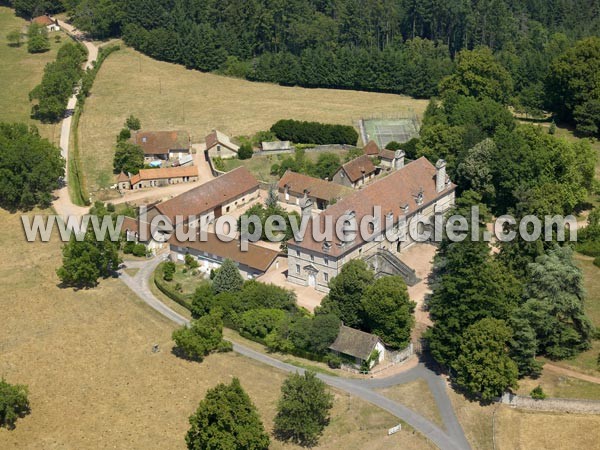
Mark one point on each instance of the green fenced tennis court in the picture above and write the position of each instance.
(384, 131)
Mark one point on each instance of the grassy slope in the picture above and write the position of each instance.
(87, 354)
(167, 96)
(20, 72)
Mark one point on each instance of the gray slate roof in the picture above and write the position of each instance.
(354, 343)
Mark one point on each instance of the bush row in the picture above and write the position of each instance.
(314, 132)
(59, 80)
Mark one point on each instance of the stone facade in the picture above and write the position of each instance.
(314, 264)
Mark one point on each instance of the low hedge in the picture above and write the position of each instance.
(163, 287)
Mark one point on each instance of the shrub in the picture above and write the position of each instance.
(191, 262)
(260, 322)
(538, 393)
(219, 163)
(133, 123)
(334, 362)
(245, 151)
(128, 247)
(169, 270)
(124, 135)
(202, 337)
(263, 136)
(589, 248)
(139, 250)
(224, 347)
(13, 403)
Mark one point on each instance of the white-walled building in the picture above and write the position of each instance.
(419, 190)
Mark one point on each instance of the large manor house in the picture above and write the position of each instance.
(417, 190)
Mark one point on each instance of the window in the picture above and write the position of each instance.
(312, 258)
(326, 261)
(326, 277)
(297, 268)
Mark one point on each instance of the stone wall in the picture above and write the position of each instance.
(552, 404)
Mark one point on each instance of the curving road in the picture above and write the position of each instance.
(452, 438)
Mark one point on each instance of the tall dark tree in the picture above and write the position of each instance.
(88, 259)
(388, 311)
(226, 419)
(554, 305)
(30, 167)
(346, 292)
(303, 409)
(483, 367)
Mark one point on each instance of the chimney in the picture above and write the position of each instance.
(440, 175)
(399, 159)
(306, 205)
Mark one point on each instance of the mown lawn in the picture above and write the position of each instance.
(168, 96)
(560, 386)
(20, 72)
(260, 165)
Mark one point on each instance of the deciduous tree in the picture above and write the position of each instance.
(303, 409)
(388, 311)
(226, 419)
(483, 367)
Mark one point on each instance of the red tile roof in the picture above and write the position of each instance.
(131, 224)
(216, 137)
(210, 195)
(387, 154)
(324, 190)
(358, 167)
(391, 193)
(160, 142)
(164, 173)
(122, 178)
(371, 149)
(43, 20)
(257, 257)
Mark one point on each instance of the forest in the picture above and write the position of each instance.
(402, 46)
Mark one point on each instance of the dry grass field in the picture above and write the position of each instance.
(168, 96)
(20, 72)
(417, 396)
(94, 382)
(524, 430)
(541, 431)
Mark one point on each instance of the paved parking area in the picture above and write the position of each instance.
(308, 297)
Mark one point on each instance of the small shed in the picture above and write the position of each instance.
(123, 182)
(358, 345)
(276, 146)
(46, 21)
